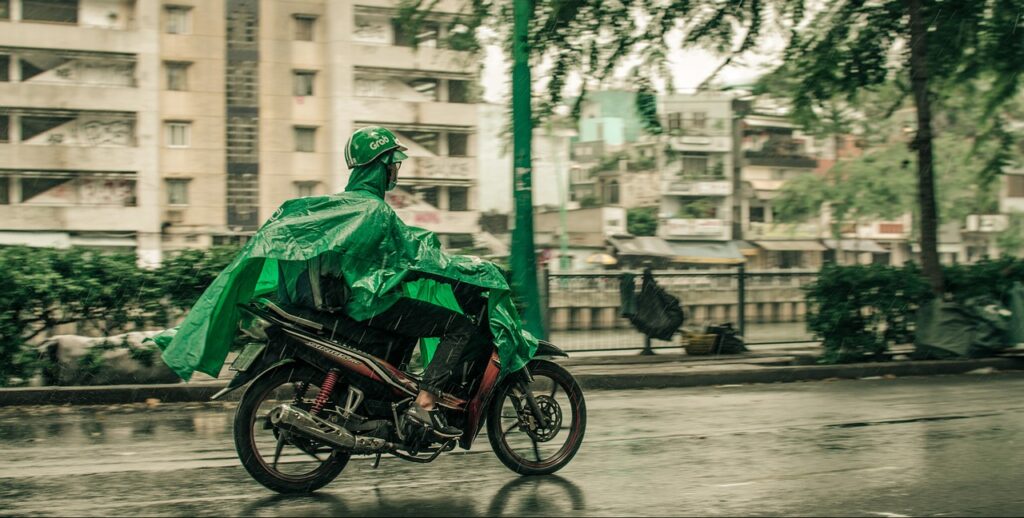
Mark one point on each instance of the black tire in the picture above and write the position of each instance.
(246, 441)
(498, 434)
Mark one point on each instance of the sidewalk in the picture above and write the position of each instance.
(663, 370)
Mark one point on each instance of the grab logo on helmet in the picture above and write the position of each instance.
(382, 141)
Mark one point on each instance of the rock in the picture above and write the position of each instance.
(114, 360)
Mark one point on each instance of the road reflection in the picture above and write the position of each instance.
(546, 495)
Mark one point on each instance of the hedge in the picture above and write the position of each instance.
(103, 293)
(859, 311)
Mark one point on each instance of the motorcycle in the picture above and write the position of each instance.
(315, 399)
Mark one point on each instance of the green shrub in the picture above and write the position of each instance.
(103, 293)
(859, 311)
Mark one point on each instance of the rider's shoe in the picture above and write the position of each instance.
(433, 421)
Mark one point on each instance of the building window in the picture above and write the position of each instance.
(5, 190)
(757, 214)
(5, 10)
(429, 195)
(302, 82)
(1015, 186)
(5, 128)
(305, 139)
(700, 120)
(34, 126)
(791, 259)
(695, 165)
(612, 194)
(177, 75)
(428, 140)
(177, 17)
(458, 91)
(53, 11)
(178, 134)
(5, 68)
(458, 144)
(458, 199)
(304, 25)
(426, 34)
(675, 122)
(426, 87)
(177, 191)
(306, 189)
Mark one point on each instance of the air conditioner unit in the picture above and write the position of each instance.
(175, 217)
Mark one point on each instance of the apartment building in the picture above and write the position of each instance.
(155, 125)
(699, 168)
(80, 125)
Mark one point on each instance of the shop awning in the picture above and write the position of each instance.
(746, 248)
(647, 246)
(857, 245)
(706, 252)
(802, 245)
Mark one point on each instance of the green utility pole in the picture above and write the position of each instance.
(524, 258)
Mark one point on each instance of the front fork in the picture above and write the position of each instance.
(523, 392)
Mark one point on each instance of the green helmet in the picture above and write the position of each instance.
(369, 143)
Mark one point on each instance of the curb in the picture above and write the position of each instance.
(633, 378)
(640, 380)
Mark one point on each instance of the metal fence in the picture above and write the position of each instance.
(583, 310)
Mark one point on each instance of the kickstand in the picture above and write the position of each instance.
(376, 461)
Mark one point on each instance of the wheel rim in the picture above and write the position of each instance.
(538, 446)
(283, 454)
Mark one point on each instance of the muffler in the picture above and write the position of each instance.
(297, 420)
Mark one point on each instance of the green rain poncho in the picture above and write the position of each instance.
(363, 238)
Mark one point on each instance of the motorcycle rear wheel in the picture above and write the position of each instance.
(255, 437)
(536, 451)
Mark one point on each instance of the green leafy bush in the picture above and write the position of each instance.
(859, 311)
(102, 293)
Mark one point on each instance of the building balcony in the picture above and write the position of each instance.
(685, 228)
(74, 97)
(415, 113)
(761, 158)
(86, 37)
(447, 169)
(706, 186)
(758, 230)
(71, 218)
(407, 58)
(442, 221)
(70, 157)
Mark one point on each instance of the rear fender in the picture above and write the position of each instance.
(252, 374)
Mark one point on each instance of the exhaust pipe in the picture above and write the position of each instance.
(296, 420)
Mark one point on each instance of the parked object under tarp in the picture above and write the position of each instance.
(654, 312)
(977, 328)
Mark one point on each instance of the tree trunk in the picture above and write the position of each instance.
(923, 145)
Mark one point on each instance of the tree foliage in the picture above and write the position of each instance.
(642, 221)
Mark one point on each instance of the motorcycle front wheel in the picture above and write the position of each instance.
(283, 461)
(520, 442)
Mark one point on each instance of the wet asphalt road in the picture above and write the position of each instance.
(949, 445)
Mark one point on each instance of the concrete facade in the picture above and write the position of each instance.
(152, 125)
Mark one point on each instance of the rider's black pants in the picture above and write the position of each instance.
(460, 337)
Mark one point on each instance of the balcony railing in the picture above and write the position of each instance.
(758, 230)
(440, 168)
(761, 158)
(695, 228)
(698, 186)
(714, 127)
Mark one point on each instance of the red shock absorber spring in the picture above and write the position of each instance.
(325, 391)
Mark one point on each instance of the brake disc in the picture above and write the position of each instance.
(552, 412)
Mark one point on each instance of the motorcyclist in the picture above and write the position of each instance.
(406, 316)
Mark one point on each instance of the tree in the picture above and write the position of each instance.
(642, 221)
(853, 46)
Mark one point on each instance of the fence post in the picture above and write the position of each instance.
(742, 296)
(545, 297)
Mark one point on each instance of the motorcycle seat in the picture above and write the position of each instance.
(336, 326)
